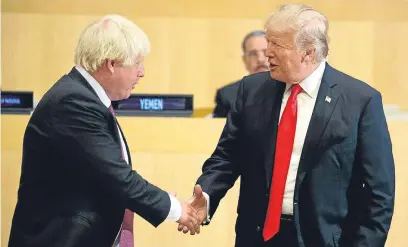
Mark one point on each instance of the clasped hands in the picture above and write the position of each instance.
(194, 212)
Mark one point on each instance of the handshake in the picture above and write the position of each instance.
(194, 212)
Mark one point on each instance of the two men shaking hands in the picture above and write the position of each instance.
(309, 143)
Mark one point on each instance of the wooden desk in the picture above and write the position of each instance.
(169, 152)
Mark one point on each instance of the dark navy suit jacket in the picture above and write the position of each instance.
(344, 193)
(74, 184)
(224, 99)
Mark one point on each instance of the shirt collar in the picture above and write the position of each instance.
(310, 84)
(95, 85)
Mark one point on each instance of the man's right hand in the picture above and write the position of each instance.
(199, 204)
(189, 219)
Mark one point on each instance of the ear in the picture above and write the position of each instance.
(110, 66)
(309, 54)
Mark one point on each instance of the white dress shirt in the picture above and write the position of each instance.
(306, 102)
(175, 208)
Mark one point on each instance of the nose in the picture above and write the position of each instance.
(269, 51)
(262, 57)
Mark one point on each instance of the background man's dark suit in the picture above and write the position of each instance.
(224, 99)
(75, 185)
(344, 194)
(253, 47)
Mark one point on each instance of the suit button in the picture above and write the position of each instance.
(267, 194)
(258, 228)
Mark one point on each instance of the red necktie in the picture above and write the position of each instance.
(126, 235)
(283, 152)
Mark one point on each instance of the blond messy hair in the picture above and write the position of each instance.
(113, 37)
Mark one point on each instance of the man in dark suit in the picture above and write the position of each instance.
(310, 144)
(253, 48)
(77, 186)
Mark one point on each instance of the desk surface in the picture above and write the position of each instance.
(166, 148)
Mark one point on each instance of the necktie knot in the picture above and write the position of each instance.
(296, 89)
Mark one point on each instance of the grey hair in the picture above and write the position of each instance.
(311, 27)
(254, 33)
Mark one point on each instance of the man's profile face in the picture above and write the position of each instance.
(254, 57)
(123, 79)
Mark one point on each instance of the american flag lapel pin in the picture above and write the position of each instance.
(328, 99)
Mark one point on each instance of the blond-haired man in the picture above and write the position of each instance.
(311, 145)
(77, 184)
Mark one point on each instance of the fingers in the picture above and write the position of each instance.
(191, 228)
(198, 200)
(182, 228)
(197, 190)
(192, 217)
(190, 223)
(197, 228)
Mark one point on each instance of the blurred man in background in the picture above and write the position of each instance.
(253, 48)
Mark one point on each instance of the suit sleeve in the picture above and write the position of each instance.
(221, 170)
(374, 152)
(82, 130)
(221, 108)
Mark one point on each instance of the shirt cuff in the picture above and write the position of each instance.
(207, 198)
(175, 209)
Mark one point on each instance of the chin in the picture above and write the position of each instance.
(126, 96)
(277, 76)
(274, 75)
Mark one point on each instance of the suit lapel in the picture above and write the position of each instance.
(124, 140)
(77, 77)
(74, 73)
(272, 107)
(117, 129)
(326, 102)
